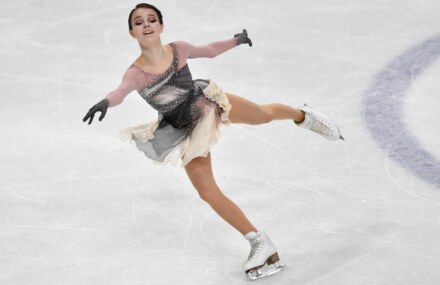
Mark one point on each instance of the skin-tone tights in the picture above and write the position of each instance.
(199, 170)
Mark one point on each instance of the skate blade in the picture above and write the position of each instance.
(258, 274)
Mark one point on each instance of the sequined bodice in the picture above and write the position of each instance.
(173, 94)
(170, 89)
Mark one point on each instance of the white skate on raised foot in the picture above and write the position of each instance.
(263, 252)
(319, 123)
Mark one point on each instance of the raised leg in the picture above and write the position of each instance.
(199, 171)
(246, 112)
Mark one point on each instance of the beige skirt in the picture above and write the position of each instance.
(204, 136)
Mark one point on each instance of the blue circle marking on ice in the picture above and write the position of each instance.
(383, 110)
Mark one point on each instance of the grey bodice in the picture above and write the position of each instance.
(173, 94)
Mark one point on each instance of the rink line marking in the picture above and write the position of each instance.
(288, 183)
(53, 228)
(6, 275)
(191, 222)
(266, 142)
(383, 105)
(226, 260)
(375, 239)
(76, 180)
(201, 227)
(410, 186)
(26, 198)
(356, 260)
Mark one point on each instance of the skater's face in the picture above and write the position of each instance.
(146, 25)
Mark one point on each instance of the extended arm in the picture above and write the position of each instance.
(130, 81)
(215, 48)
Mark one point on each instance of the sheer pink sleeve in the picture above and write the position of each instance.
(209, 50)
(131, 81)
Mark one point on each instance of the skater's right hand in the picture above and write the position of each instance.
(99, 107)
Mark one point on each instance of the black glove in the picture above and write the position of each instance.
(100, 107)
(242, 38)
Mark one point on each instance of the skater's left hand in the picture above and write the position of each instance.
(242, 38)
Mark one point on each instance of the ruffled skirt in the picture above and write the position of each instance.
(162, 144)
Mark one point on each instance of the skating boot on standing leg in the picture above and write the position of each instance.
(319, 123)
(262, 252)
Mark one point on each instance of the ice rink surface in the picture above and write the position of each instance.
(79, 206)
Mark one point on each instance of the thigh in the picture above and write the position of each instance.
(245, 111)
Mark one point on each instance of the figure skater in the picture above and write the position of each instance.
(190, 113)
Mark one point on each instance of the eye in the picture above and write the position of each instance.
(152, 20)
(138, 23)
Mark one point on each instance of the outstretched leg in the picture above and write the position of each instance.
(199, 171)
(246, 112)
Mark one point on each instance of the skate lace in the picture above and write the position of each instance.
(256, 249)
(322, 127)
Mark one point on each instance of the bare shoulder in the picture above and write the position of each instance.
(183, 45)
(184, 48)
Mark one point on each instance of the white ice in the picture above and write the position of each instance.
(79, 206)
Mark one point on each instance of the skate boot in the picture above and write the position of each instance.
(319, 123)
(263, 252)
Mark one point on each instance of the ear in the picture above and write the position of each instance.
(131, 33)
(161, 28)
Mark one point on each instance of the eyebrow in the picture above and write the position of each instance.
(147, 15)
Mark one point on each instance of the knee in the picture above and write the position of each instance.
(205, 196)
(208, 196)
(267, 114)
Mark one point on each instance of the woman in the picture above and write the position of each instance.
(190, 113)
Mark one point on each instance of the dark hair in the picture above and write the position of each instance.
(144, 5)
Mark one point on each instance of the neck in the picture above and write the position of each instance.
(152, 55)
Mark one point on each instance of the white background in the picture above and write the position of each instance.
(78, 206)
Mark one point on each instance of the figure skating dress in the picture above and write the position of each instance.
(190, 112)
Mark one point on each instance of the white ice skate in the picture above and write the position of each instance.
(319, 123)
(263, 252)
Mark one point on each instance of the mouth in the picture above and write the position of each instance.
(148, 32)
